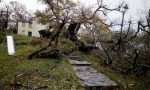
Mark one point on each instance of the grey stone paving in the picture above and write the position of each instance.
(75, 58)
(88, 76)
(79, 63)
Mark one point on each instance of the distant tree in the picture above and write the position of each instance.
(17, 12)
(4, 17)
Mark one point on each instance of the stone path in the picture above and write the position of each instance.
(75, 60)
(89, 77)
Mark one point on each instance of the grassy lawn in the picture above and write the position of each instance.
(125, 82)
(16, 72)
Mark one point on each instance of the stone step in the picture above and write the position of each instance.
(75, 58)
(79, 63)
(88, 76)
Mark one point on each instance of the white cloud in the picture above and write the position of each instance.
(30, 4)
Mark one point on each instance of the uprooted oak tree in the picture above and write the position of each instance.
(66, 18)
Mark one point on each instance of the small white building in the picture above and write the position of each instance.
(30, 28)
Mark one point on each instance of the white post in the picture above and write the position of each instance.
(10, 45)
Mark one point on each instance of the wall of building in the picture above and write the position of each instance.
(34, 28)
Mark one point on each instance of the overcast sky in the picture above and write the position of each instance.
(30, 4)
(135, 6)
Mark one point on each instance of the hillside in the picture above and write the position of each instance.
(17, 72)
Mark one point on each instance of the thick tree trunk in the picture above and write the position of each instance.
(56, 35)
(109, 60)
(135, 59)
(33, 55)
(55, 38)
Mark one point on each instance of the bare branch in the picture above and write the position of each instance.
(127, 30)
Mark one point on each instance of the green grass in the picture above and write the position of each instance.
(51, 74)
(125, 82)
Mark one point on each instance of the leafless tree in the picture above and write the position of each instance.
(17, 12)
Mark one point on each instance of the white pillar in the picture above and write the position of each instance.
(10, 45)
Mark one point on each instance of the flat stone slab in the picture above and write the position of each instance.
(90, 77)
(79, 63)
(75, 58)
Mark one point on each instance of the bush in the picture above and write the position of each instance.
(34, 42)
(2, 36)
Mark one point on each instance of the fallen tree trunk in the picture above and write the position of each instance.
(31, 56)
